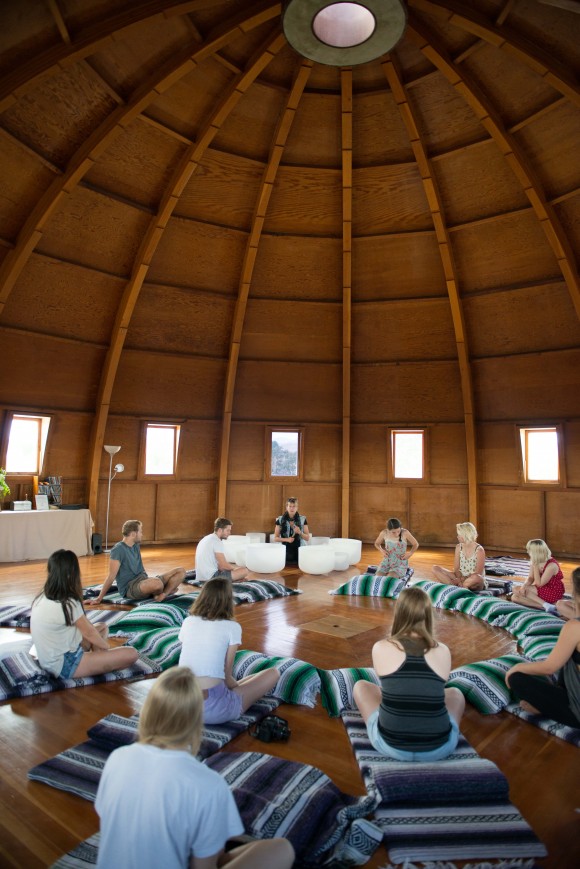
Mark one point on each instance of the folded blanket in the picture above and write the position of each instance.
(368, 585)
(554, 728)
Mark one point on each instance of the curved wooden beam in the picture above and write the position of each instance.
(181, 175)
(447, 259)
(458, 14)
(51, 61)
(105, 134)
(346, 154)
(262, 201)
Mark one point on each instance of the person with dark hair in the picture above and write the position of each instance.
(210, 637)
(210, 559)
(67, 644)
(392, 543)
(558, 700)
(412, 716)
(292, 530)
(126, 567)
(160, 806)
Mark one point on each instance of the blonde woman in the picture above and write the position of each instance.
(392, 543)
(159, 806)
(412, 716)
(469, 563)
(544, 586)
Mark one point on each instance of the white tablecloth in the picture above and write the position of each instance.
(37, 533)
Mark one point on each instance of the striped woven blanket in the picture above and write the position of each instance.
(457, 808)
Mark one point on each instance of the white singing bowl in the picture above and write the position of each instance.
(348, 544)
(231, 547)
(241, 556)
(255, 537)
(341, 559)
(265, 557)
(316, 559)
(319, 541)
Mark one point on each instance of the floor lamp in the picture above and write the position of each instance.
(112, 474)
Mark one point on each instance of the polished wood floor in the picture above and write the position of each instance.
(38, 824)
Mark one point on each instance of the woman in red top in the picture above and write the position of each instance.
(544, 585)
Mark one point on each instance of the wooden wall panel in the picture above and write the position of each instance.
(129, 500)
(126, 432)
(314, 139)
(372, 505)
(289, 392)
(446, 119)
(378, 133)
(447, 454)
(322, 454)
(306, 201)
(250, 127)
(83, 302)
(477, 182)
(199, 446)
(50, 373)
(21, 177)
(247, 452)
(222, 190)
(510, 517)
(498, 454)
(551, 142)
(308, 331)
(156, 385)
(35, 29)
(401, 187)
(185, 511)
(291, 267)
(521, 320)
(429, 391)
(380, 267)
(542, 386)
(505, 252)
(203, 326)
(434, 512)
(66, 446)
(399, 330)
(254, 508)
(368, 453)
(572, 452)
(320, 504)
(568, 212)
(95, 231)
(198, 255)
(562, 527)
(139, 165)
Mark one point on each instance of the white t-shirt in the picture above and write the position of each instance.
(159, 807)
(205, 561)
(205, 644)
(50, 633)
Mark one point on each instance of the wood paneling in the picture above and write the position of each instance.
(22, 175)
(434, 512)
(499, 454)
(562, 527)
(397, 330)
(447, 454)
(184, 511)
(315, 136)
(427, 391)
(288, 392)
(310, 332)
(305, 201)
(298, 268)
(446, 119)
(572, 452)
(247, 453)
(369, 452)
(322, 454)
(551, 142)
(66, 446)
(254, 508)
(129, 500)
(251, 125)
(199, 450)
(510, 517)
(379, 136)
(380, 267)
(408, 208)
(372, 505)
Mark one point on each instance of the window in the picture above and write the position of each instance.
(161, 445)
(540, 454)
(285, 454)
(26, 443)
(407, 450)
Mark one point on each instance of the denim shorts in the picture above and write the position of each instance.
(383, 747)
(221, 705)
(70, 662)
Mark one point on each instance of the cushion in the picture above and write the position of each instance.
(20, 667)
(147, 617)
(483, 683)
(537, 648)
(299, 681)
(161, 646)
(371, 586)
(336, 687)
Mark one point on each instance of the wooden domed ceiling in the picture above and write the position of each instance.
(198, 224)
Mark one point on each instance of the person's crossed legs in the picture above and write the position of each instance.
(156, 587)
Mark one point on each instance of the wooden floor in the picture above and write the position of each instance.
(38, 824)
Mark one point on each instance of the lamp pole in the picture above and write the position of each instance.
(111, 451)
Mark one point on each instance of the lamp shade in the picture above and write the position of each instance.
(111, 450)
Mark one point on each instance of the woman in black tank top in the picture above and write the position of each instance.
(411, 716)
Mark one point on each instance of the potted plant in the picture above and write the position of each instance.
(4, 487)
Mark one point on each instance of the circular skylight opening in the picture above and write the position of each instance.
(343, 25)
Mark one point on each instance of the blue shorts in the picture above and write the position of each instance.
(221, 705)
(70, 662)
(379, 744)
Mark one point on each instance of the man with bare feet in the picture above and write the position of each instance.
(126, 566)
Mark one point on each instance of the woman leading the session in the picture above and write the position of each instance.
(292, 530)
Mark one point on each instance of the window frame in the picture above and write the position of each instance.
(407, 481)
(268, 476)
(42, 448)
(522, 437)
(157, 423)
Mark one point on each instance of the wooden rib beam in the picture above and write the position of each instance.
(59, 21)
(103, 137)
(346, 152)
(51, 61)
(181, 175)
(459, 15)
(513, 153)
(435, 204)
(256, 228)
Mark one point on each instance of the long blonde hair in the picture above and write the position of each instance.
(172, 715)
(414, 615)
(538, 551)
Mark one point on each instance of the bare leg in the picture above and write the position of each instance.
(528, 598)
(262, 854)
(95, 663)
(251, 688)
(239, 574)
(475, 582)
(455, 703)
(170, 581)
(103, 630)
(566, 609)
(527, 707)
(441, 574)
(367, 697)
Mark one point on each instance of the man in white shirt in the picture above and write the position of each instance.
(210, 559)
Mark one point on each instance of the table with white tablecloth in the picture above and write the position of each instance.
(34, 534)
